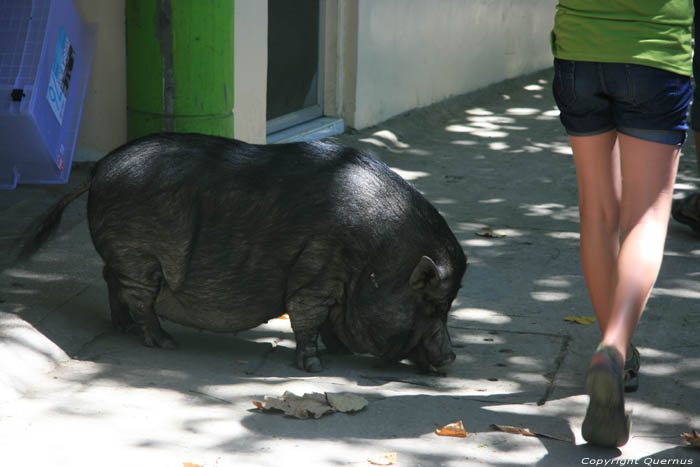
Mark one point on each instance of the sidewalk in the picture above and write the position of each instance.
(75, 393)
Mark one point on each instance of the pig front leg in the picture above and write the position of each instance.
(308, 310)
(306, 334)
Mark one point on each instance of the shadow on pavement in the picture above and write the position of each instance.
(497, 164)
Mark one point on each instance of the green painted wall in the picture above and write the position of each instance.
(179, 66)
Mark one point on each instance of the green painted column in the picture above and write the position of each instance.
(179, 66)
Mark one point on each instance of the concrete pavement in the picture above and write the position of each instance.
(75, 393)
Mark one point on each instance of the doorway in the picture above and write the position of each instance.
(294, 67)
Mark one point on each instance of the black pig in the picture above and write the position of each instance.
(222, 235)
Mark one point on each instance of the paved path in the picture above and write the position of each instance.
(75, 393)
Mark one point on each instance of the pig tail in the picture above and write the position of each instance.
(44, 226)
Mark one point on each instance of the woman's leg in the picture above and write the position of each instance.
(599, 193)
(649, 171)
(629, 268)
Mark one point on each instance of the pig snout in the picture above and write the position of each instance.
(434, 352)
(442, 361)
(446, 359)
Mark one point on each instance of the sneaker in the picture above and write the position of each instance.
(606, 423)
(686, 210)
(632, 370)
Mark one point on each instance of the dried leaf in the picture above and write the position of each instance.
(581, 319)
(514, 430)
(307, 406)
(455, 429)
(692, 438)
(206, 464)
(312, 405)
(390, 458)
(527, 432)
(488, 232)
(346, 402)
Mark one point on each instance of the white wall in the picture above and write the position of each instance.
(412, 53)
(408, 54)
(250, 71)
(103, 123)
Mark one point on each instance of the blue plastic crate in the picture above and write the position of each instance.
(45, 56)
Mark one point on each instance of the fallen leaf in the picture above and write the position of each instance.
(313, 405)
(455, 429)
(514, 430)
(191, 464)
(527, 432)
(692, 438)
(346, 402)
(580, 319)
(307, 406)
(488, 232)
(284, 316)
(390, 458)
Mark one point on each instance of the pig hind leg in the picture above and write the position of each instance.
(131, 302)
(121, 319)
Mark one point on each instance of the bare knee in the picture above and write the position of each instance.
(603, 216)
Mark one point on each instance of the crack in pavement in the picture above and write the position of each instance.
(558, 361)
(552, 376)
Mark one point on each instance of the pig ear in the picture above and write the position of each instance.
(425, 276)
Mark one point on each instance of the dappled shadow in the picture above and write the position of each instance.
(497, 165)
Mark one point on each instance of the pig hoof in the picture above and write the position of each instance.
(160, 339)
(312, 363)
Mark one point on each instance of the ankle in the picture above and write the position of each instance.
(618, 353)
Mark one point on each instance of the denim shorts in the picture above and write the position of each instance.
(636, 100)
(695, 106)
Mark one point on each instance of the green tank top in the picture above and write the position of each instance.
(655, 33)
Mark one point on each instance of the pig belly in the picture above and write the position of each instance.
(210, 318)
